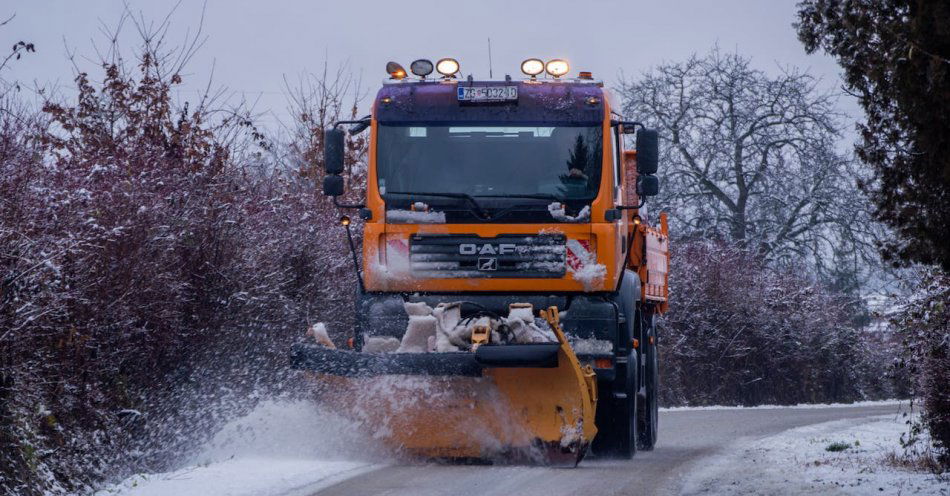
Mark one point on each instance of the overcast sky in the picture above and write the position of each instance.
(253, 44)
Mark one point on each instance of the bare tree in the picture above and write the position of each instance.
(315, 103)
(19, 48)
(752, 159)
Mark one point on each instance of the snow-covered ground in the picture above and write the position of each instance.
(799, 461)
(800, 405)
(280, 448)
(294, 448)
(245, 476)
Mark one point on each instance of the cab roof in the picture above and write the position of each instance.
(539, 102)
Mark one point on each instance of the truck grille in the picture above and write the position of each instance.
(471, 256)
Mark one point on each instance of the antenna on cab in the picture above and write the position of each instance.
(490, 76)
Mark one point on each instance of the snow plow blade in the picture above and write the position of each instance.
(347, 363)
(524, 403)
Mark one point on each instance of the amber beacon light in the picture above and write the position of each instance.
(395, 70)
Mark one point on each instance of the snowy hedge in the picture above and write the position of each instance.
(156, 263)
(923, 322)
(745, 333)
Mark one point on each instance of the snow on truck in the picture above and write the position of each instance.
(510, 272)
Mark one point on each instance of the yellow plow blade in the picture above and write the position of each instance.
(522, 403)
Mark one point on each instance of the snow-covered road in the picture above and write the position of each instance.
(280, 448)
(288, 449)
(690, 439)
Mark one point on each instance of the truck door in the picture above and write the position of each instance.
(621, 229)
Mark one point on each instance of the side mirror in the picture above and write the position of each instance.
(648, 151)
(648, 186)
(333, 185)
(333, 147)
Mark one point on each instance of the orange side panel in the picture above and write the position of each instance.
(656, 282)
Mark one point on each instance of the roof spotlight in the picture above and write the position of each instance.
(532, 67)
(421, 67)
(447, 67)
(557, 67)
(395, 70)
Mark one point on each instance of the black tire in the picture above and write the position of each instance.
(627, 432)
(648, 414)
(617, 419)
(603, 444)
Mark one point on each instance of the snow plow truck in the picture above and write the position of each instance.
(509, 271)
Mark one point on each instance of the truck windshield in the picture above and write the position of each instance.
(491, 161)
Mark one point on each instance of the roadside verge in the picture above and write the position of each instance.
(838, 457)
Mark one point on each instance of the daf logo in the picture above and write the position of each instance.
(486, 249)
(487, 263)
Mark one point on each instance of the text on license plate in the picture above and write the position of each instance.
(488, 93)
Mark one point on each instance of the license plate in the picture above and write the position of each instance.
(487, 93)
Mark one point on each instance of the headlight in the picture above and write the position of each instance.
(557, 67)
(447, 67)
(532, 67)
(421, 67)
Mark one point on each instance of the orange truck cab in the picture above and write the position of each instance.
(517, 191)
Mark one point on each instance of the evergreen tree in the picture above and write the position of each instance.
(896, 57)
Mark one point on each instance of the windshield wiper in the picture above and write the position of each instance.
(501, 213)
(477, 211)
(539, 196)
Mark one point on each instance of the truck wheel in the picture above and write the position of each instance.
(617, 419)
(603, 444)
(627, 427)
(648, 413)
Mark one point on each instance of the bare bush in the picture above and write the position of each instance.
(316, 103)
(745, 333)
(156, 262)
